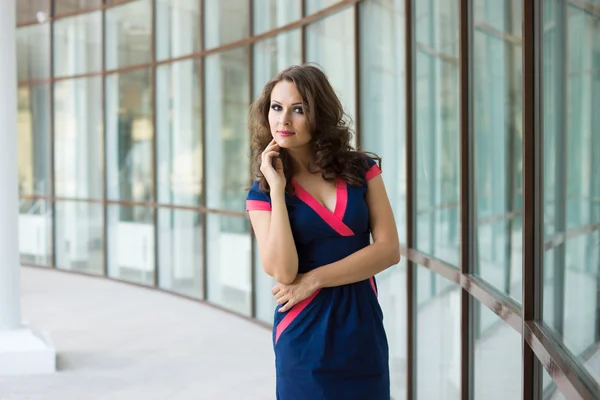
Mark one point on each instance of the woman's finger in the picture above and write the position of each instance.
(282, 300)
(275, 289)
(268, 157)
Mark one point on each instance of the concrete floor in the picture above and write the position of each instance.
(119, 342)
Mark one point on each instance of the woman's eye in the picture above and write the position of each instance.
(299, 110)
(276, 107)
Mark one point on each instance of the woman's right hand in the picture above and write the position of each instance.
(274, 176)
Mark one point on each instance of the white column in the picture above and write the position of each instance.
(21, 350)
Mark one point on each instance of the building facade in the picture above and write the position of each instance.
(134, 160)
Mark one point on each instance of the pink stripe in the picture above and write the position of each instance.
(292, 314)
(372, 280)
(257, 205)
(341, 199)
(329, 218)
(373, 172)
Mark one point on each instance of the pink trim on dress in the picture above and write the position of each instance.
(252, 205)
(292, 314)
(341, 201)
(330, 218)
(373, 172)
(372, 280)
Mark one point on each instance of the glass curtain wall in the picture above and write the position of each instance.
(134, 164)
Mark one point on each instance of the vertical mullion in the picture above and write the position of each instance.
(154, 130)
(203, 217)
(303, 32)
(467, 234)
(411, 365)
(104, 158)
(532, 174)
(357, 74)
(51, 142)
(251, 96)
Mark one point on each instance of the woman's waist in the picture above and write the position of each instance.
(326, 251)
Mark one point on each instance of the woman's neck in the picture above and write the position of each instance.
(301, 159)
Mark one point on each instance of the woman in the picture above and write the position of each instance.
(313, 208)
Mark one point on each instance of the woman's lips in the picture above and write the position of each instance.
(286, 133)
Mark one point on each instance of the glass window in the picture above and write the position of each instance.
(313, 6)
(265, 302)
(35, 231)
(227, 141)
(571, 136)
(130, 244)
(177, 25)
(497, 124)
(129, 133)
(437, 126)
(33, 52)
(179, 133)
(78, 138)
(273, 55)
(128, 34)
(68, 6)
(271, 14)
(438, 338)
(180, 252)
(225, 21)
(80, 237)
(498, 359)
(327, 45)
(33, 125)
(229, 272)
(550, 392)
(78, 44)
(32, 10)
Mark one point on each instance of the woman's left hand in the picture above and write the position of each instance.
(292, 294)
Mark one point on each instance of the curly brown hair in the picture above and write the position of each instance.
(332, 153)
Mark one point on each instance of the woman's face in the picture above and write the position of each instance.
(289, 126)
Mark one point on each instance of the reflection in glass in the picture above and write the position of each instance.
(438, 338)
(130, 244)
(228, 261)
(78, 138)
(129, 133)
(178, 130)
(225, 21)
(67, 6)
(498, 359)
(227, 102)
(79, 237)
(271, 14)
(33, 52)
(437, 126)
(33, 126)
(180, 252)
(78, 44)
(571, 137)
(128, 34)
(327, 45)
(177, 28)
(273, 55)
(35, 231)
(497, 123)
(32, 10)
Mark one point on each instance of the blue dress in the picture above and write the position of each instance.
(333, 344)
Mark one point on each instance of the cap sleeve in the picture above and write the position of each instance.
(373, 170)
(257, 199)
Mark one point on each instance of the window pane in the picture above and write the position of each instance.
(180, 252)
(271, 14)
(35, 231)
(273, 55)
(313, 6)
(179, 130)
(129, 133)
(33, 125)
(32, 10)
(78, 44)
(438, 338)
(128, 34)
(498, 359)
(327, 45)
(229, 278)
(177, 25)
(66, 6)
(33, 52)
(79, 237)
(78, 138)
(437, 124)
(264, 300)
(225, 21)
(497, 123)
(571, 129)
(130, 244)
(227, 102)
(550, 392)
